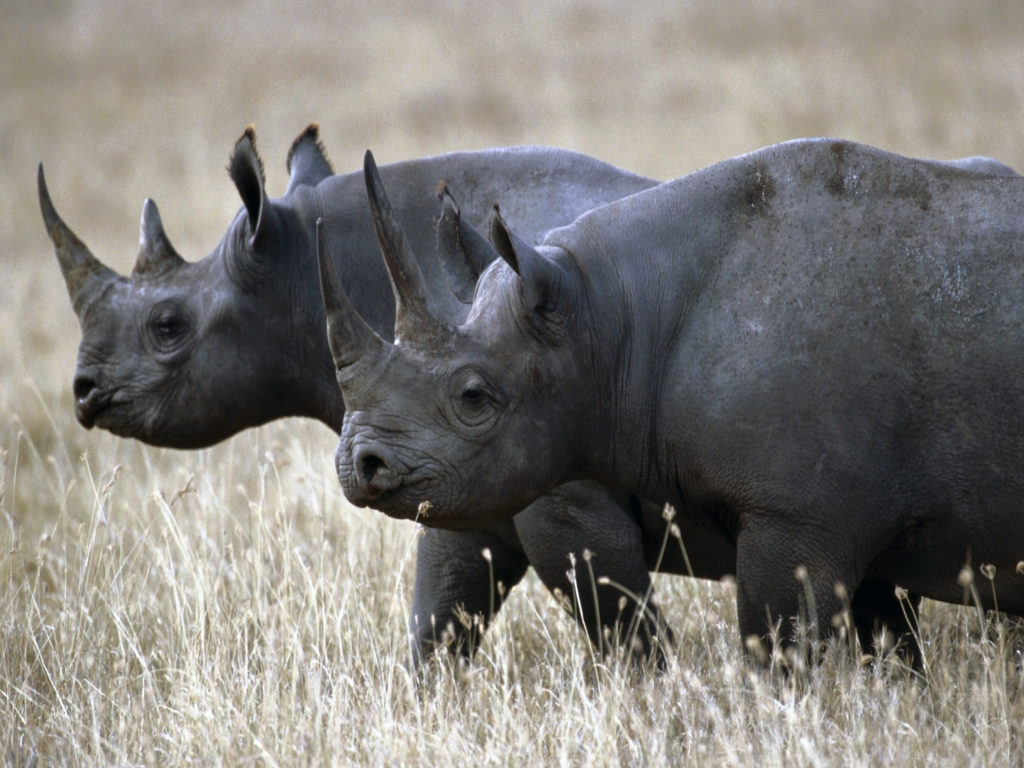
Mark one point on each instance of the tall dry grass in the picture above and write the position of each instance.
(226, 606)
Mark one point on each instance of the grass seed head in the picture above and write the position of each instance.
(755, 646)
(966, 577)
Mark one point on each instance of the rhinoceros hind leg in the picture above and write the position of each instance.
(876, 609)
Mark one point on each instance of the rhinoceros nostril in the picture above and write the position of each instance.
(83, 387)
(373, 471)
(370, 466)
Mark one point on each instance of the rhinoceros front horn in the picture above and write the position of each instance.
(416, 316)
(350, 338)
(156, 254)
(83, 273)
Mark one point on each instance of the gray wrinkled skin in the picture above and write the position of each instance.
(186, 354)
(814, 350)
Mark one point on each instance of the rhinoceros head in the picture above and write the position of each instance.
(185, 354)
(455, 415)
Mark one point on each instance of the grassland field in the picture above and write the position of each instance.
(226, 606)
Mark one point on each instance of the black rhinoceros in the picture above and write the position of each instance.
(186, 354)
(816, 350)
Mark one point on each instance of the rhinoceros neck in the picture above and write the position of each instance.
(539, 189)
(647, 262)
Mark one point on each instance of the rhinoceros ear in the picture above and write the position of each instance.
(463, 251)
(246, 171)
(156, 254)
(539, 277)
(307, 161)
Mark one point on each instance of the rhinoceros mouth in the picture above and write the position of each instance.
(97, 406)
(405, 501)
(392, 500)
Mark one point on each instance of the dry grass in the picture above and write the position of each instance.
(226, 606)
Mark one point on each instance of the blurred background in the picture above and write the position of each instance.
(125, 100)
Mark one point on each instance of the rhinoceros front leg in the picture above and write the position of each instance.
(577, 521)
(454, 581)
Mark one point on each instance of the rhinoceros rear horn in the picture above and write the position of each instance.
(350, 338)
(415, 314)
(83, 273)
(538, 276)
(246, 169)
(307, 161)
(464, 252)
(156, 254)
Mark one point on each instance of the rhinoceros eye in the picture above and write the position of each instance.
(473, 395)
(474, 400)
(168, 326)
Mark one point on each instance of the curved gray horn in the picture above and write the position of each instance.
(349, 336)
(156, 254)
(464, 252)
(79, 267)
(416, 317)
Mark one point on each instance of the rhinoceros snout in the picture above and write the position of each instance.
(89, 400)
(83, 386)
(373, 473)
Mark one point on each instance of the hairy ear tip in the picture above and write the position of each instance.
(310, 133)
(239, 156)
(307, 160)
(248, 136)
